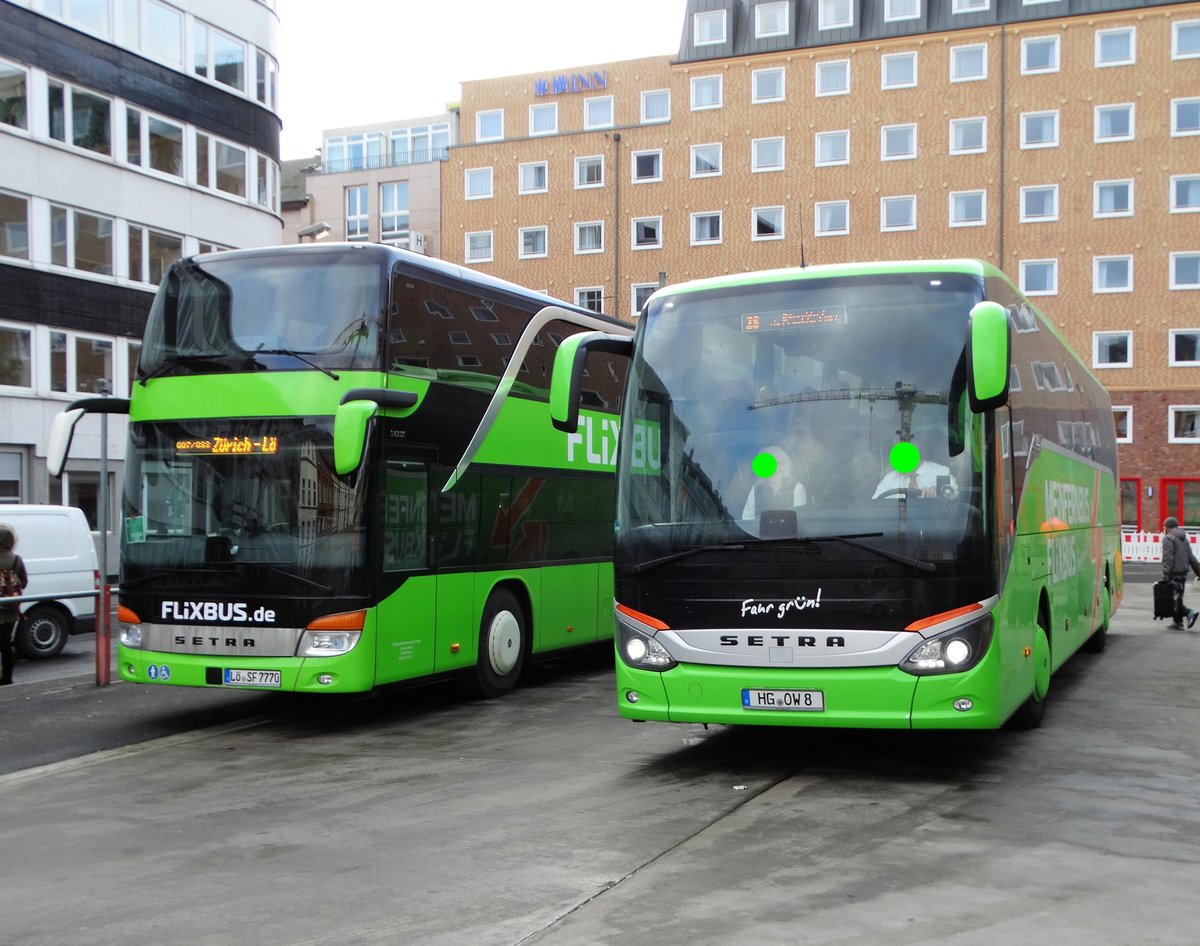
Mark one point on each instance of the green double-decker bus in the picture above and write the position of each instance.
(872, 495)
(341, 475)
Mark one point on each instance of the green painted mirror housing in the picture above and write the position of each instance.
(989, 356)
(569, 362)
(351, 421)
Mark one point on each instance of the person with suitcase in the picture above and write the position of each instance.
(1177, 558)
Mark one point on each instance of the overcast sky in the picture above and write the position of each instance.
(364, 61)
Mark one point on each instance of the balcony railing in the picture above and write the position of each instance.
(384, 161)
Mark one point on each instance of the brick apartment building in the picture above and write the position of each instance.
(1058, 140)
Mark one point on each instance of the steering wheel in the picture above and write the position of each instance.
(908, 492)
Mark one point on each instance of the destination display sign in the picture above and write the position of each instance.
(227, 446)
(794, 318)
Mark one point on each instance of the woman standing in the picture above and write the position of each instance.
(13, 579)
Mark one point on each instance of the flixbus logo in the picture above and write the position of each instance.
(595, 441)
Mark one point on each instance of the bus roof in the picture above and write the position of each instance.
(385, 255)
(972, 267)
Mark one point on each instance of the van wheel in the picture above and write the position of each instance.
(503, 644)
(42, 633)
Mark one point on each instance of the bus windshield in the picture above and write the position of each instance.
(240, 506)
(247, 313)
(824, 415)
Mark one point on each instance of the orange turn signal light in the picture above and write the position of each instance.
(343, 621)
(944, 616)
(127, 615)
(644, 618)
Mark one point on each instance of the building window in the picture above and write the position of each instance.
(14, 226)
(1185, 270)
(1183, 423)
(79, 363)
(80, 118)
(642, 291)
(354, 152)
(1123, 425)
(489, 125)
(16, 357)
(1039, 129)
(477, 183)
(393, 211)
(771, 19)
(706, 228)
(1039, 204)
(1185, 39)
(833, 78)
(898, 213)
(590, 297)
(589, 171)
(598, 112)
(706, 160)
(901, 10)
(647, 233)
(589, 237)
(706, 92)
(766, 154)
(358, 213)
(230, 166)
(656, 106)
(151, 252)
(153, 142)
(533, 242)
(543, 118)
(968, 208)
(1112, 274)
(897, 142)
(766, 223)
(834, 14)
(478, 246)
(1112, 349)
(81, 241)
(899, 71)
(647, 166)
(968, 135)
(1039, 54)
(968, 63)
(1114, 122)
(969, 6)
(832, 147)
(14, 101)
(708, 28)
(228, 61)
(1185, 193)
(1185, 348)
(1039, 277)
(532, 178)
(1116, 47)
(766, 85)
(831, 218)
(1185, 117)
(1112, 199)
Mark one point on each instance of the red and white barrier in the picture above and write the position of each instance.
(1147, 546)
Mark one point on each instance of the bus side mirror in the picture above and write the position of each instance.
(62, 428)
(567, 377)
(988, 356)
(354, 413)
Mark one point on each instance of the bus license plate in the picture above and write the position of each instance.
(804, 701)
(251, 678)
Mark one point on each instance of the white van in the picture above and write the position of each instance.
(56, 545)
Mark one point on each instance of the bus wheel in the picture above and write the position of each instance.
(42, 633)
(1099, 638)
(503, 643)
(1030, 715)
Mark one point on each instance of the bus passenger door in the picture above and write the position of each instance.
(407, 609)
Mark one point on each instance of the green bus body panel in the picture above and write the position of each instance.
(520, 437)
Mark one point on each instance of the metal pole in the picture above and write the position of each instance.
(104, 605)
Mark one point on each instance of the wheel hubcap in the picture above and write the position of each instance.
(504, 642)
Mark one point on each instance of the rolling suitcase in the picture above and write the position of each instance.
(1164, 600)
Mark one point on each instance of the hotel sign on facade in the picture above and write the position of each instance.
(571, 82)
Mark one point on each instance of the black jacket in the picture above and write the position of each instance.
(1177, 555)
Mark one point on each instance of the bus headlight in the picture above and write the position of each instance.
(642, 651)
(131, 635)
(952, 651)
(327, 643)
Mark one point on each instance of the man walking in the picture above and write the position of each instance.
(1177, 558)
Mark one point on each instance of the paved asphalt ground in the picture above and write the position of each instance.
(152, 815)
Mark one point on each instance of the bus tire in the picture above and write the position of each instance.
(1099, 639)
(503, 646)
(1033, 710)
(42, 632)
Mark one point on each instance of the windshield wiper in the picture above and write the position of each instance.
(852, 539)
(176, 360)
(676, 555)
(164, 573)
(275, 569)
(295, 354)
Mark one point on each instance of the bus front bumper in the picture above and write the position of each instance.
(347, 673)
